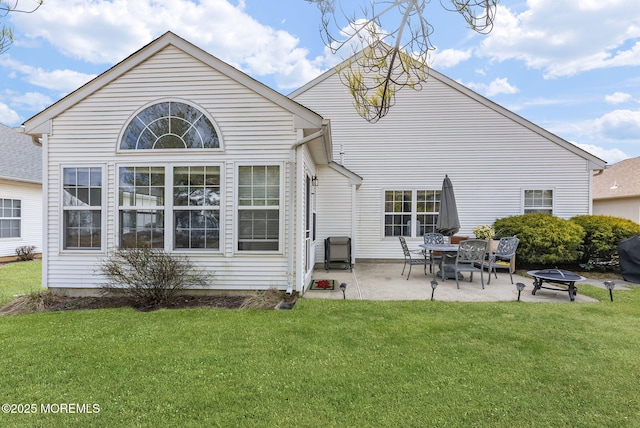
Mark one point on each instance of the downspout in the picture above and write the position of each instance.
(293, 194)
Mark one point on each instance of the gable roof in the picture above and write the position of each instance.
(594, 162)
(20, 158)
(40, 123)
(621, 180)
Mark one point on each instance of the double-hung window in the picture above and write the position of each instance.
(141, 200)
(259, 208)
(196, 207)
(82, 208)
(10, 218)
(410, 213)
(538, 201)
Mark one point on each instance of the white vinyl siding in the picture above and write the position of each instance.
(30, 197)
(253, 130)
(489, 157)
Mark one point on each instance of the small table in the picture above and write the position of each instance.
(443, 248)
(556, 276)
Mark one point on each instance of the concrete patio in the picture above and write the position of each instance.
(382, 281)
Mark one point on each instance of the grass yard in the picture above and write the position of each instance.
(330, 363)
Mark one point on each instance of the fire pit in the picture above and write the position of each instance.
(556, 276)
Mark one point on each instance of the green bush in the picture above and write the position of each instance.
(544, 239)
(603, 234)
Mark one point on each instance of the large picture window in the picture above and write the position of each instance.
(410, 213)
(258, 208)
(10, 218)
(538, 201)
(188, 219)
(82, 208)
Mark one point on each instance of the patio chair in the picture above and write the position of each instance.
(433, 238)
(469, 258)
(412, 257)
(502, 257)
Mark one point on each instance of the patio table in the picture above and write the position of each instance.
(443, 248)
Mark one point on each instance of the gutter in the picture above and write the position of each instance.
(292, 191)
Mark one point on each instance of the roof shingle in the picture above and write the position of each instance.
(20, 159)
(621, 180)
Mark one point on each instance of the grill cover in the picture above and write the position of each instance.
(629, 251)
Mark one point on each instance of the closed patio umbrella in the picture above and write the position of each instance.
(448, 222)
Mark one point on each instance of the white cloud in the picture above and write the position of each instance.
(566, 37)
(496, 87)
(9, 117)
(60, 80)
(105, 32)
(617, 98)
(611, 156)
(32, 101)
(448, 58)
(619, 125)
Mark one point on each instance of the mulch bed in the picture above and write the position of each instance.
(60, 303)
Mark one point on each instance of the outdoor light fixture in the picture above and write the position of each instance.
(315, 181)
(434, 285)
(520, 287)
(610, 284)
(343, 287)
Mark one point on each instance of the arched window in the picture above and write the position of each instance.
(170, 125)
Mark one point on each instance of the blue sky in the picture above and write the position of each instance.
(570, 66)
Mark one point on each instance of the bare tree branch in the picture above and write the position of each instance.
(12, 6)
(390, 57)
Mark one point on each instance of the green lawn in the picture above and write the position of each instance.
(331, 363)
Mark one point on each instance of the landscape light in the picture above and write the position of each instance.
(610, 284)
(434, 285)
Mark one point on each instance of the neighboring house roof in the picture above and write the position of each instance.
(595, 163)
(20, 158)
(621, 180)
(304, 118)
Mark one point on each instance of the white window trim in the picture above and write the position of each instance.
(20, 237)
(543, 188)
(281, 209)
(414, 210)
(103, 208)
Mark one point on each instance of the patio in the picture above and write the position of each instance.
(382, 281)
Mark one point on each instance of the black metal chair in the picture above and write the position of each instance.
(412, 257)
(433, 238)
(469, 258)
(502, 258)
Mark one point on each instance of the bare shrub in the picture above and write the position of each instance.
(25, 252)
(149, 276)
(262, 299)
(28, 303)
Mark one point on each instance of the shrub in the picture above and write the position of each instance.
(603, 234)
(544, 239)
(25, 253)
(149, 276)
